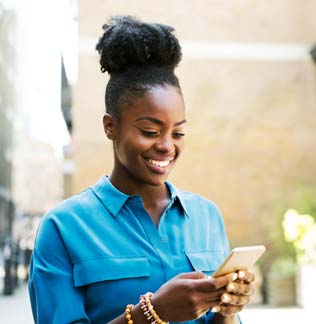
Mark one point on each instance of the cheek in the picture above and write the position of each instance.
(130, 148)
(141, 143)
(180, 146)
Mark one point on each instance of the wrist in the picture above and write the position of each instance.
(149, 310)
(158, 305)
(225, 319)
(138, 315)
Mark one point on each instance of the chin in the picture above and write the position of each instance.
(158, 181)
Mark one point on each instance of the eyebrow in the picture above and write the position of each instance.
(158, 121)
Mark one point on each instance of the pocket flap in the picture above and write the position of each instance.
(206, 261)
(109, 268)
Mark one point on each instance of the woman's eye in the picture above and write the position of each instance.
(148, 133)
(178, 135)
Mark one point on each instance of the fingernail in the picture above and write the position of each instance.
(241, 274)
(225, 298)
(231, 286)
(235, 276)
(215, 309)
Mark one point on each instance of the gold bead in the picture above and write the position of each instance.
(128, 315)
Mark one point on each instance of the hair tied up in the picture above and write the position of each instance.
(128, 42)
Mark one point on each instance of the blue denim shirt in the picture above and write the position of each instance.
(100, 250)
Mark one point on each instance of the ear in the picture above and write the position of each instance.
(108, 125)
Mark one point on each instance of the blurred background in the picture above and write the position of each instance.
(248, 75)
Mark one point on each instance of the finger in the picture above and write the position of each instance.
(210, 284)
(246, 276)
(213, 296)
(223, 281)
(237, 300)
(240, 288)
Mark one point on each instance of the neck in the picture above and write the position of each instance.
(151, 195)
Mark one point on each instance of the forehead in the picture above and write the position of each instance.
(165, 104)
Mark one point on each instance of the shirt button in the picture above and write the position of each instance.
(164, 240)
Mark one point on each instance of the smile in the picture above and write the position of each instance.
(161, 164)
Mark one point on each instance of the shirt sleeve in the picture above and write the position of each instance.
(54, 298)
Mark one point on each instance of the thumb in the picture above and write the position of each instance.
(211, 284)
(192, 275)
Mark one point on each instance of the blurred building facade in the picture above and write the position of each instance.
(7, 109)
(47, 68)
(250, 90)
(37, 69)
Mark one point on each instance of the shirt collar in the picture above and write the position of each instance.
(113, 199)
(177, 194)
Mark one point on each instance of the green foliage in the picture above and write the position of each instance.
(300, 230)
(303, 200)
(283, 267)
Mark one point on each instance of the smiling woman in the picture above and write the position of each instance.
(101, 252)
(148, 140)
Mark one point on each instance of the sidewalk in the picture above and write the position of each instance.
(269, 315)
(16, 309)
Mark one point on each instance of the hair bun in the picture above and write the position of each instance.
(128, 42)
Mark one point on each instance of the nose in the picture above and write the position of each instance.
(165, 144)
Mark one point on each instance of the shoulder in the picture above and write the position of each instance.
(194, 203)
(77, 203)
(72, 212)
(197, 207)
(69, 220)
(197, 198)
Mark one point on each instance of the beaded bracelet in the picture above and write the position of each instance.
(128, 315)
(148, 310)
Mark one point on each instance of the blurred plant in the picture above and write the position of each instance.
(283, 267)
(300, 231)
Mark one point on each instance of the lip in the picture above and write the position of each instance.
(157, 168)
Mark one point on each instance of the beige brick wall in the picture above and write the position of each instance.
(238, 20)
(252, 124)
(251, 137)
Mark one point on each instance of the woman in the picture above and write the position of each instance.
(99, 253)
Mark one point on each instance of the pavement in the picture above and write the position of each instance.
(270, 315)
(16, 309)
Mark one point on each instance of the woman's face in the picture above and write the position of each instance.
(149, 137)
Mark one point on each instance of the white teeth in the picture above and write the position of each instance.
(159, 163)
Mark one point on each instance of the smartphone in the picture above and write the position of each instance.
(240, 258)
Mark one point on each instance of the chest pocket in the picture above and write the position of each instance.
(205, 261)
(109, 268)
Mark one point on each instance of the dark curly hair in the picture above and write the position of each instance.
(138, 57)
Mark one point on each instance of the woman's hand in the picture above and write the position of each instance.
(236, 296)
(188, 296)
